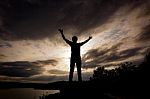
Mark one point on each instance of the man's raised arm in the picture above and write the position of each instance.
(82, 43)
(63, 36)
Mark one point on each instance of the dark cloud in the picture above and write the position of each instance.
(5, 34)
(145, 35)
(99, 56)
(19, 69)
(51, 62)
(23, 68)
(98, 52)
(125, 54)
(5, 44)
(37, 19)
(2, 56)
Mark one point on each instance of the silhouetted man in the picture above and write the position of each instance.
(75, 54)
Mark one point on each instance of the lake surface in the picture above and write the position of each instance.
(24, 93)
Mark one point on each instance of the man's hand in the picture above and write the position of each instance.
(60, 30)
(90, 37)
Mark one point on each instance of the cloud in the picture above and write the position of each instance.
(145, 35)
(51, 62)
(101, 57)
(56, 71)
(93, 53)
(5, 44)
(2, 56)
(38, 19)
(19, 69)
(24, 68)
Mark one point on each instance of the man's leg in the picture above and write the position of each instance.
(79, 69)
(72, 65)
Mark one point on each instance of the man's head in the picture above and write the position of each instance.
(74, 39)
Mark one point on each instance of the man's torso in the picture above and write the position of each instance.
(75, 50)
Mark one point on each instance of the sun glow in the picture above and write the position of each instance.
(63, 61)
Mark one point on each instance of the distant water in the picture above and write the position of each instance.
(24, 93)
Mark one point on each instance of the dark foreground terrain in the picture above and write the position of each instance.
(87, 89)
(126, 82)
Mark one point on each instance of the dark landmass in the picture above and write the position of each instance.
(126, 82)
(85, 89)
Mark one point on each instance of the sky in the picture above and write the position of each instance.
(32, 49)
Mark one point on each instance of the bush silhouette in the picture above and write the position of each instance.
(127, 78)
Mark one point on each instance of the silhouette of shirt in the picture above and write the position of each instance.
(75, 48)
